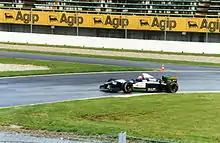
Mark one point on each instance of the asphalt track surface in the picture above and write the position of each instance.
(41, 89)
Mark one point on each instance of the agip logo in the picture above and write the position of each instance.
(115, 22)
(164, 24)
(211, 26)
(70, 20)
(22, 17)
(161, 24)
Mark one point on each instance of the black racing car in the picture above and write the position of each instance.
(146, 83)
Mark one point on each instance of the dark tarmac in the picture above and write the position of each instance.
(41, 89)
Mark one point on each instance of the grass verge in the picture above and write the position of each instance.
(118, 58)
(60, 67)
(112, 49)
(181, 117)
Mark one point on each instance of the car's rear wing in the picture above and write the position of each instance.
(174, 77)
(168, 77)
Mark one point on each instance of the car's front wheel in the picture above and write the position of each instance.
(127, 87)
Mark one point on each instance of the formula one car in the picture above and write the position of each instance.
(144, 83)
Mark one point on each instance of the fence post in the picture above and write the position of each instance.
(165, 30)
(77, 25)
(207, 29)
(122, 137)
(31, 20)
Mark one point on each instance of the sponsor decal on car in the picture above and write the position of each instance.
(152, 89)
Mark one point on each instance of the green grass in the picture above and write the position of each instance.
(181, 117)
(112, 49)
(161, 61)
(61, 67)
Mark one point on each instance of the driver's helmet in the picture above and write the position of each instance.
(140, 78)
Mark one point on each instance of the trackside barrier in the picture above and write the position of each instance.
(116, 43)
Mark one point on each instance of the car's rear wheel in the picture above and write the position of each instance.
(172, 87)
(127, 87)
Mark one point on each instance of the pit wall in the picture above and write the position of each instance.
(116, 43)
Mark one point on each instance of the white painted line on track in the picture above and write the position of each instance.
(110, 96)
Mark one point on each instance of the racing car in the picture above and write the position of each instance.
(143, 83)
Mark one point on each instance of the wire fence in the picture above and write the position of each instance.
(113, 33)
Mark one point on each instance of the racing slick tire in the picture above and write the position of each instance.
(127, 87)
(172, 87)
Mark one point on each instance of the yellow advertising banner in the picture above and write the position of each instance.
(132, 22)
